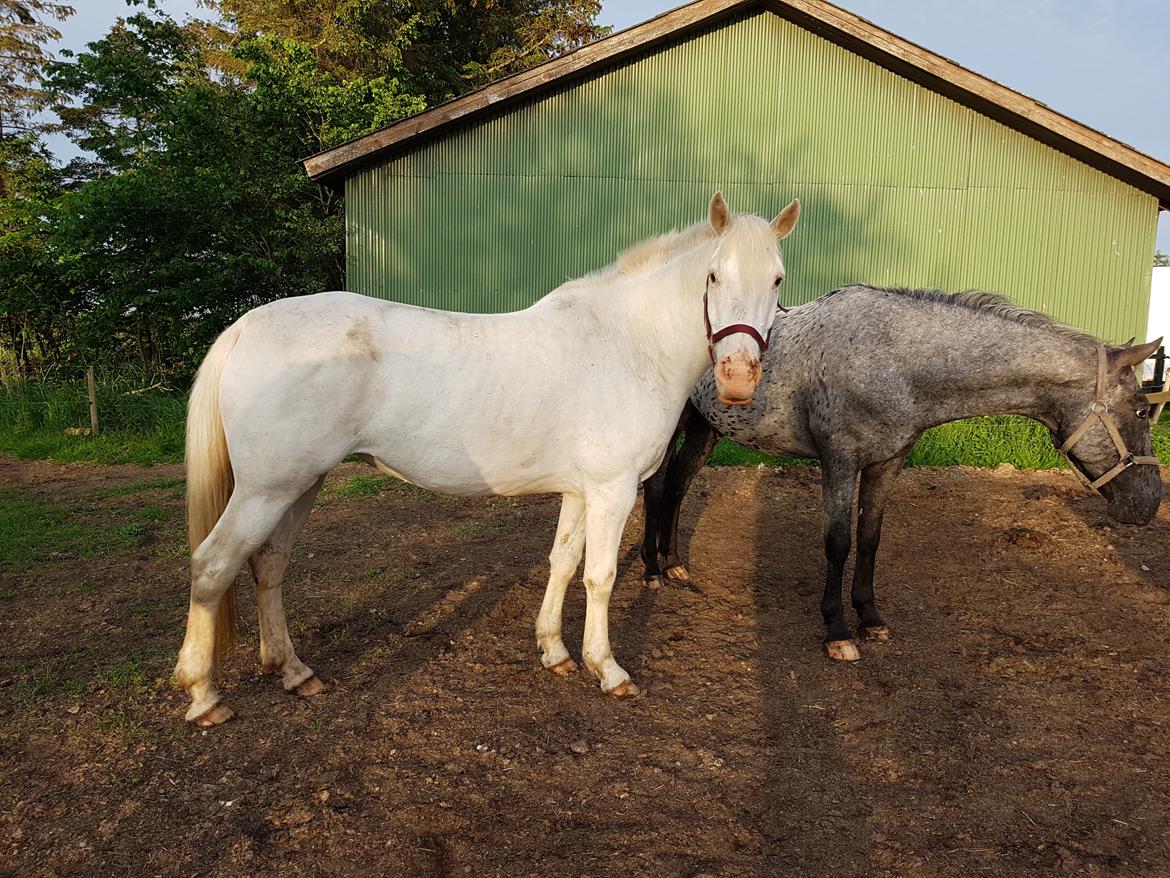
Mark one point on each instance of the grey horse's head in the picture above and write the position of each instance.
(1134, 493)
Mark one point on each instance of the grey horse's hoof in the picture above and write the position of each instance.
(842, 651)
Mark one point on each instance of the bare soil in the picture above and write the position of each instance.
(1017, 725)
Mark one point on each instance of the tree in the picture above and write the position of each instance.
(438, 48)
(200, 209)
(1161, 260)
(23, 34)
(32, 305)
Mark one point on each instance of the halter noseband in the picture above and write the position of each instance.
(1097, 412)
(713, 337)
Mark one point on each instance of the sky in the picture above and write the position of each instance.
(1102, 62)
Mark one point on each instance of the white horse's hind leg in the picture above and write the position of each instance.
(246, 523)
(606, 511)
(563, 561)
(268, 564)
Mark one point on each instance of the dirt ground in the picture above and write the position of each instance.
(1017, 725)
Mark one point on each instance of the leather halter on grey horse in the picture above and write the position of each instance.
(1099, 412)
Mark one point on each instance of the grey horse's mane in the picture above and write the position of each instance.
(991, 304)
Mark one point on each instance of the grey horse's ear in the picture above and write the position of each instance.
(1129, 343)
(785, 221)
(719, 213)
(1122, 358)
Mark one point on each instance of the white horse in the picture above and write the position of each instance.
(578, 394)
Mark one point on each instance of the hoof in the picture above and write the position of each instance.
(877, 632)
(842, 651)
(309, 688)
(624, 690)
(653, 582)
(218, 715)
(565, 668)
(678, 573)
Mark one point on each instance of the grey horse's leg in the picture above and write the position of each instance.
(652, 491)
(877, 481)
(838, 485)
(699, 442)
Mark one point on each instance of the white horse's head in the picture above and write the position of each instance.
(743, 282)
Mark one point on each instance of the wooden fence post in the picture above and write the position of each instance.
(93, 421)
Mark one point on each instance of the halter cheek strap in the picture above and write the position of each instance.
(713, 337)
(1099, 411)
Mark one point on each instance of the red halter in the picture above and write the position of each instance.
(713, 337)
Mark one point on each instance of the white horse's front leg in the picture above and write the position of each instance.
(606, 511)
(563, 561)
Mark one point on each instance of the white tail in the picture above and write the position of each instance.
(209, 470)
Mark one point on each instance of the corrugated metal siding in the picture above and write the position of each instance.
(900, 186)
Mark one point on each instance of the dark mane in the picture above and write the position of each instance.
(991, 304)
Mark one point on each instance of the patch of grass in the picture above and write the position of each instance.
(358, 486)
(152, 513)
(987, 442)
(124, 675)
(139, 424)
(169, 485)
(728, 453)
(124, 727)
(982, 442)
(46, 681)
(31, 530)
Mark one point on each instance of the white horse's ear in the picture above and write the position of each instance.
(1122, 358)
(720, 213)
(785, 221)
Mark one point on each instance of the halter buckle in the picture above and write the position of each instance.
(1099, 408)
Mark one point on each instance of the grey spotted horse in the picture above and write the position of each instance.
(857, 376)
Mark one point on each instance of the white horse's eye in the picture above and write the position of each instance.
(711, 279)
(778, 280)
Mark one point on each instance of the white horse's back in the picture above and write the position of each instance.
(452, 402)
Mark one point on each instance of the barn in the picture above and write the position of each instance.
(912, 170)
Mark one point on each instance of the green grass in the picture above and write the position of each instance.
(356, 486)
(46, 681)
(136, 425)
(125, 674)
(982, 442)
(171, 486)
(987, 442)
(32, 531)
(360, 486)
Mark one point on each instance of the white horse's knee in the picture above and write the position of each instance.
(599, 583)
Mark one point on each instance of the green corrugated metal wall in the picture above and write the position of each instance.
(900, 186)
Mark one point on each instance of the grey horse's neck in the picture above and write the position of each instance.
(1010, 373)
(976, 354)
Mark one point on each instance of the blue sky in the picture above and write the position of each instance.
(1102, 62)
